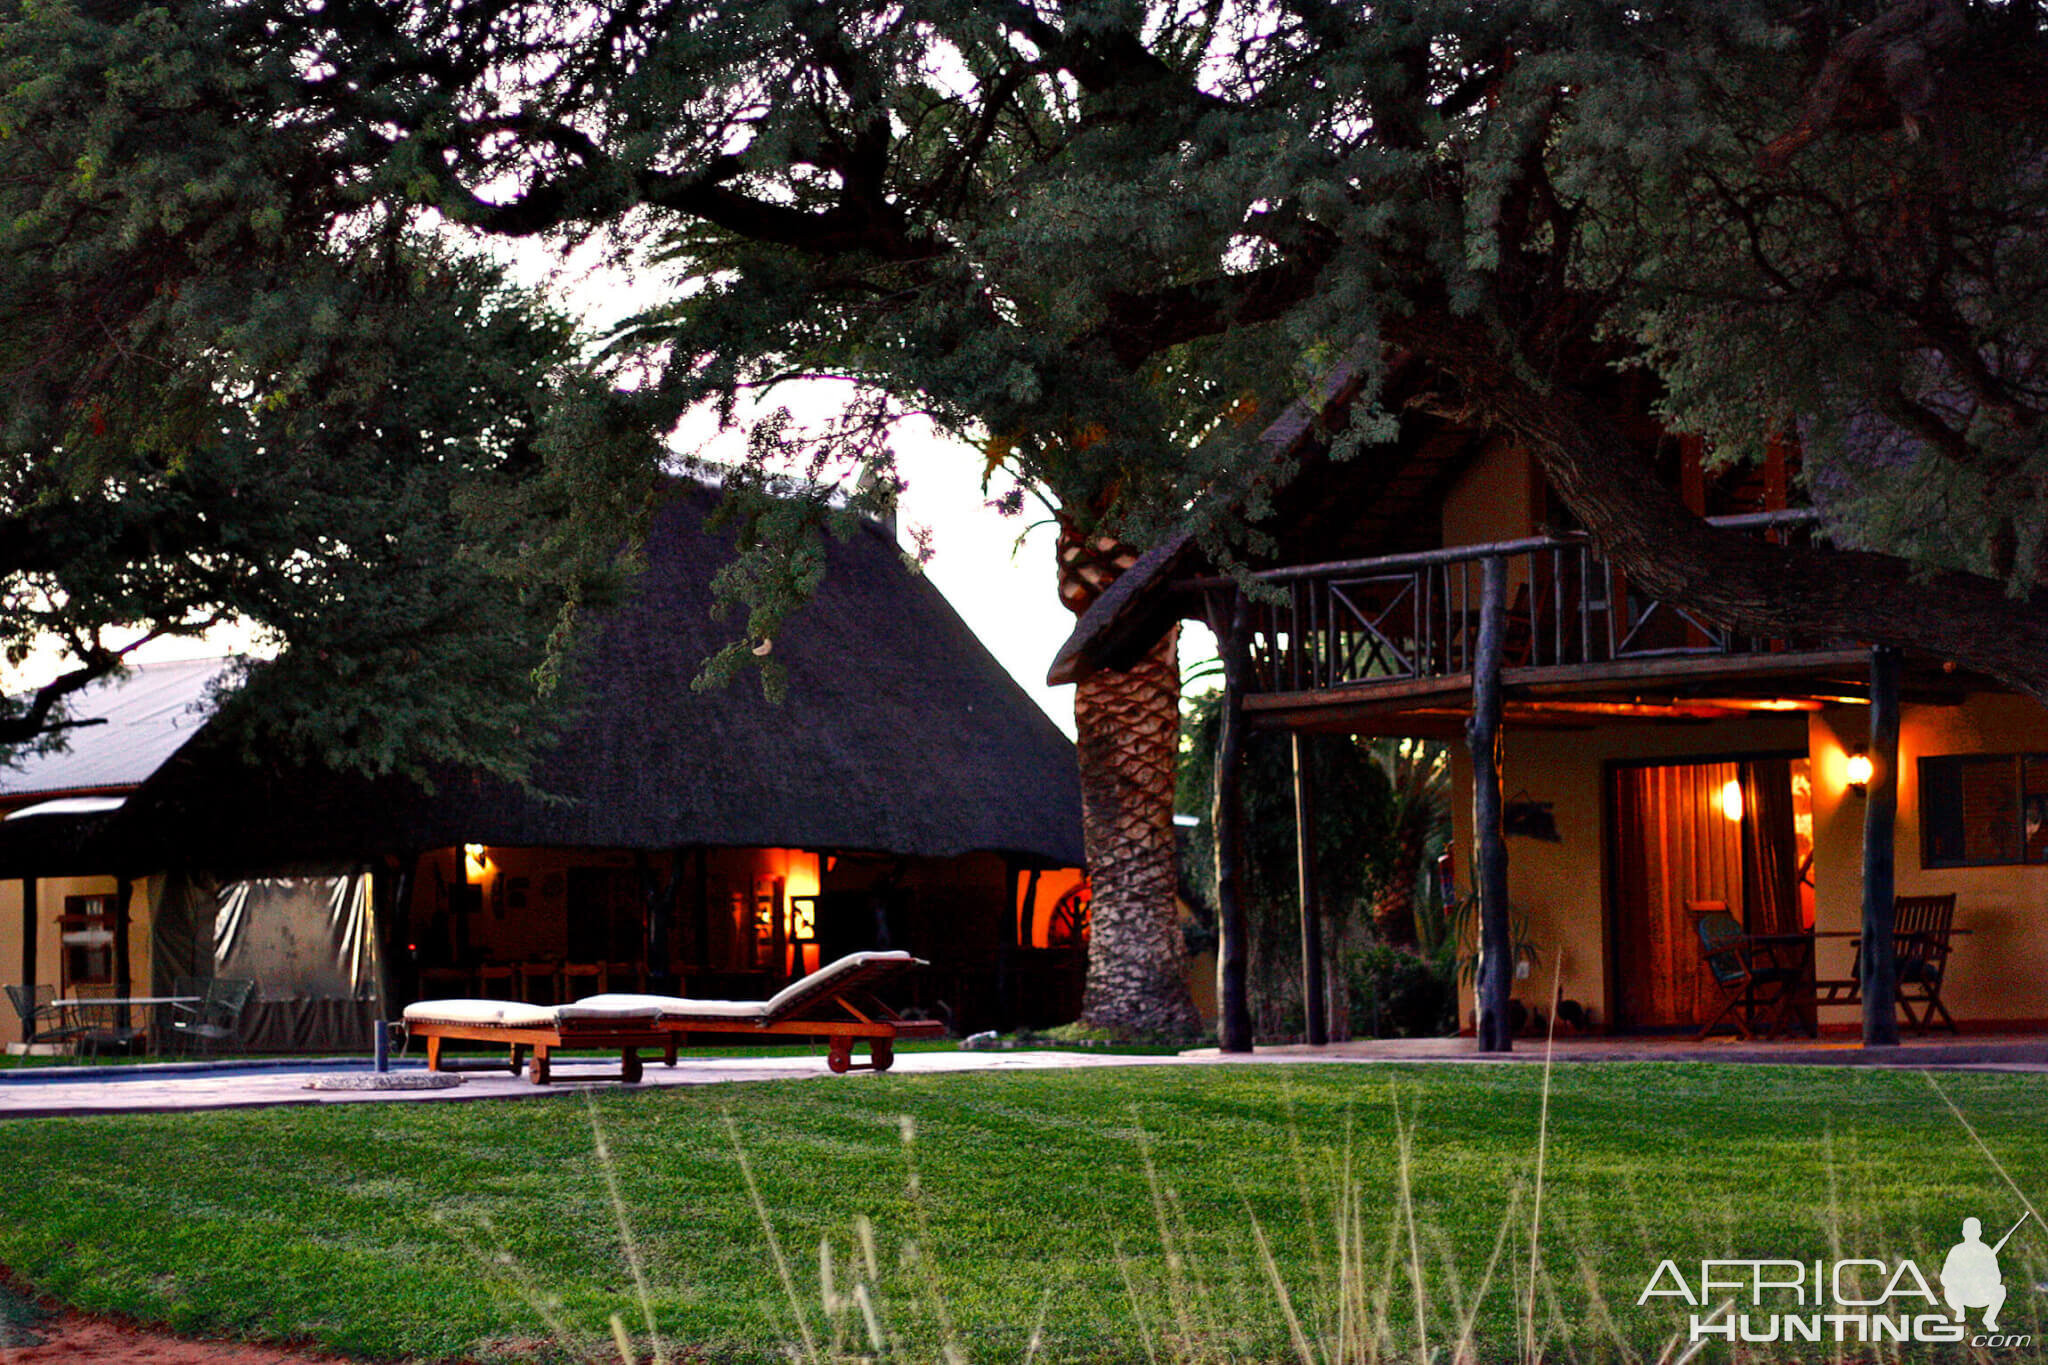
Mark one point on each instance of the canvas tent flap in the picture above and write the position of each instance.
(308, 940)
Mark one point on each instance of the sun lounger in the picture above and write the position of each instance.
(834, 1004)
(542, 1029)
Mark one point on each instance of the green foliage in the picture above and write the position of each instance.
(1370, 810)
(1463, 919)
(1102, 242)
(1395, 993)
(1355, 818)
(226, 397)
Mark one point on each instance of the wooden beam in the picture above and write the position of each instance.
(1312, 985)
(1373, 693)
(124, 967)
(1028, 911)
(700, 916)
(1482, 735)
(390, 877)
(1233, 1003)
(29, 928)
(1880, 819)
(1691, 667)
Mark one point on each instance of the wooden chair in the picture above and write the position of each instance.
(447, 983)
(1921, 930)
(624, 976)
(1922, 927)
(540, 983)
(1750, 976)
(832, 1003)
(580, 979)
(541, 1030)
(496, 981)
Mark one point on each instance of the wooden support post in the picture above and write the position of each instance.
(1482, 736)
(1879, 966)
(29, 930)
(124, 967)
(700, 919)
(1028, 912)
(400, 975)
(1233, 1012)
(1312, 985)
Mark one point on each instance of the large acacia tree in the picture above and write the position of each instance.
(1096, 236)
(232, 393)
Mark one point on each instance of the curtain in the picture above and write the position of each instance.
(1770, 853)
(1675, 852)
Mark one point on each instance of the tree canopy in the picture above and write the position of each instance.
(231, 395)
(1095, 237)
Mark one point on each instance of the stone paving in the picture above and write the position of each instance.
(158, 1089)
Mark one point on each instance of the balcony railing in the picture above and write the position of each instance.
(1416, 617)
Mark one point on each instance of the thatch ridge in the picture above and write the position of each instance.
(900, 733)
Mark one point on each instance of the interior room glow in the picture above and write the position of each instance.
(475, 860)
(1731, 799)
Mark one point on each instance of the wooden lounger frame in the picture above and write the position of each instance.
(839, 1012)
(868, 1020)
(603, 1035)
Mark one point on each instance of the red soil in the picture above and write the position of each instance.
(75, 1337)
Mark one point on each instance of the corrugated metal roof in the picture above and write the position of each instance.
(147, 714)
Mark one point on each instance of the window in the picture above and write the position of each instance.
(1980, 810)
(86, 932)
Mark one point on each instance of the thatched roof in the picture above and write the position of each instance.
(900, 734)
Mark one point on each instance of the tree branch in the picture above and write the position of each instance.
(1753, 586)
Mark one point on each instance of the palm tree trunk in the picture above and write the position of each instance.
(1128, 728)
(1393, 909)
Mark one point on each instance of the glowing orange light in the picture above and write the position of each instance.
(1731, 799)
(1859, 771)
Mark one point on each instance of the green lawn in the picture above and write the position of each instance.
(1112, 1211)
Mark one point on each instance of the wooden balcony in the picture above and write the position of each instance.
(1398, 637)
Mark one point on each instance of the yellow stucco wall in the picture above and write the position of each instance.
(1493, 499)
(1997, 974)
(1561, 886)
(50, 894)
(2000, 971)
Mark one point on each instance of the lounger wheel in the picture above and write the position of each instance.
(840, 1056)
(881, 1052)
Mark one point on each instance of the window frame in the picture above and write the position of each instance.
(2017, 764)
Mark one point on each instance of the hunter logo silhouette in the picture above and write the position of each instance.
(1970, 1278)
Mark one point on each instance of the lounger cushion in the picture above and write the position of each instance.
(594, 1010)
(512, 1014)
(679, 1007)
(792, 998)
(829, 978)
(481, 1013)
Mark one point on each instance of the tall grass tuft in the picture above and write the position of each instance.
(1375, 1280)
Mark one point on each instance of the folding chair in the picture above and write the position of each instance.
(1740, 968)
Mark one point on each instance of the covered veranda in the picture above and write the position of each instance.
(1535, 636)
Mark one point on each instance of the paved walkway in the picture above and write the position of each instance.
(54, 1092)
